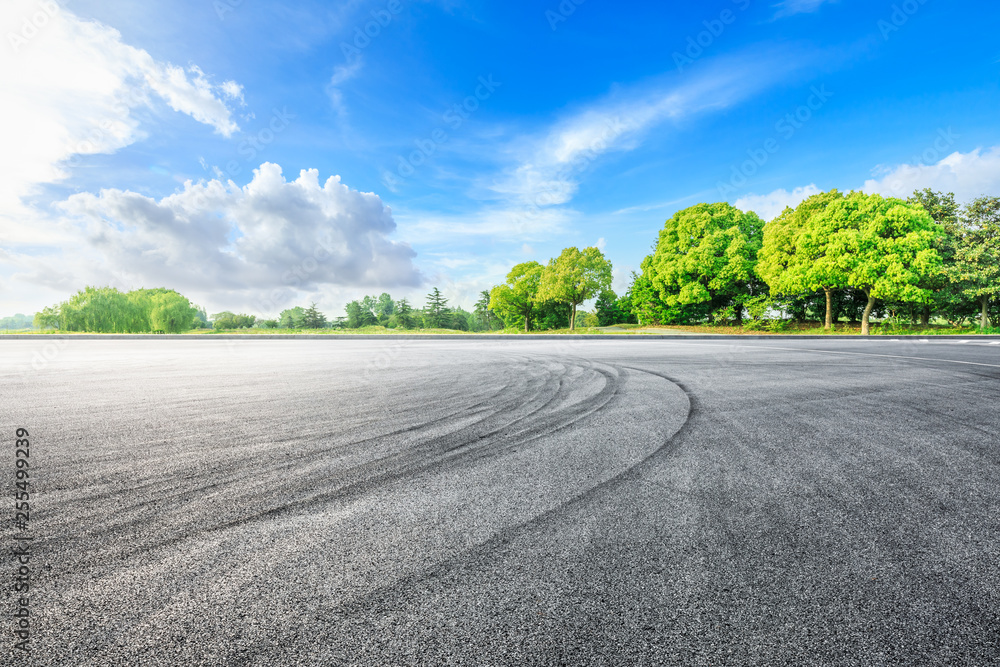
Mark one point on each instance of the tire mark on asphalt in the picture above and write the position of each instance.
(464, 446)
(505, 536)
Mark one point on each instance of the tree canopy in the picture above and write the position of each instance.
(884, 247)
(574, 277)
(108, 310)
(976, 267)
(793, 258)
(517, 299)
(707, 253)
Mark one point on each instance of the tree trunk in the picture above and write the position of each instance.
(984, 321)
(572, 319)
(829, 308)
(525, 324)
(925, 316)
(868, 312)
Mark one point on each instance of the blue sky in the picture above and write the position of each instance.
(467, 136)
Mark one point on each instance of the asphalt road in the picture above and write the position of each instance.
(328, 502)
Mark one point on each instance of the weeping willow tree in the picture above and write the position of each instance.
(108, 310)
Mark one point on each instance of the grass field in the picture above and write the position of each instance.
(782, 328)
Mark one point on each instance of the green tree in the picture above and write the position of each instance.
(976, 267)
(884, 246)
(170, 312)
(946, 296)
(312, 318)
(485, 318)
(403, 315)
(19, 321)
(647, 306)
(436, 310)
(359, 314)
(517, 299)
(229, 320)
(291, 318)
(48, 318)
(384, 308)
(200, 318)
(574, 277)
(613, 309)
(706, 254)
(793, 258)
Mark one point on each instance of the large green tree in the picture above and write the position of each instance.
(976, 267)
(291, 318)
(518, 297)
(170, 312)
(884, 246)
(706, 254)
(946, 296)
(573, 277)
(108, 310)
(793, 259)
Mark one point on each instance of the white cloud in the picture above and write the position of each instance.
(502, 225)
(968, 175)
(71, 87)
(792, 7)
(550, 166)
(341, 75)
(770, 206)
(262, 242)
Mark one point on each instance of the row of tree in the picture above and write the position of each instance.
(543, 295)
(833, 256)
(925, 256)
(108, 310)
(383, 310)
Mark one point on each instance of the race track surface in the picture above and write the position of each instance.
(558, 502)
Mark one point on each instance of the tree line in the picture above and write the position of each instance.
(834, 256)
(843, 255)
(108, 310)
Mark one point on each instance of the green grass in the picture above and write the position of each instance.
(787, 328)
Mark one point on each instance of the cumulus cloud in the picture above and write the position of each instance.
(71, 87)
(770, 206)
(968, 175)
(271, 234)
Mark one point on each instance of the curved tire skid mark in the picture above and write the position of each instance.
(509, 534)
